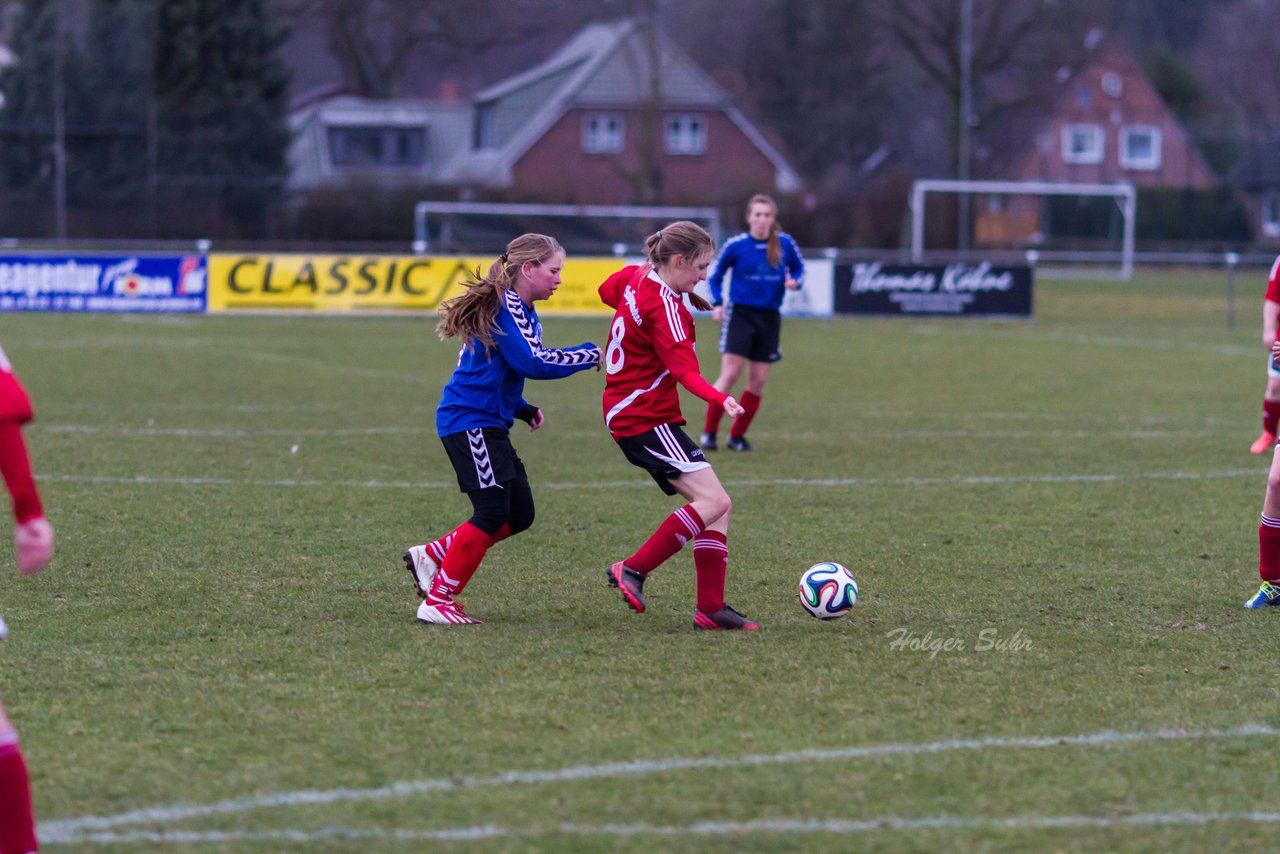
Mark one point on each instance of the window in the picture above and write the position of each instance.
(1271, 215)
(1140, 147)
(686, 134)
(364, 146)
(1112, 84)
(1082, 144)
(602, 133)
(486, 132)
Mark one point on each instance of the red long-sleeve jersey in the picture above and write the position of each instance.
(651, 350)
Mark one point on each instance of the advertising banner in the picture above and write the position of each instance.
(40, 282)
(381, 283)
(812, 300)
(954, 289)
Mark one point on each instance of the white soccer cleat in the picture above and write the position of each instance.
(446, 613)
(422, 567)
(33, 543)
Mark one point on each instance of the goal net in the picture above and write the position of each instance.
(461, 228)
(1064, 230)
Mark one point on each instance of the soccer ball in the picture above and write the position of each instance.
(827, 590)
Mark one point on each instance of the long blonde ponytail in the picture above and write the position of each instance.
(472, 316)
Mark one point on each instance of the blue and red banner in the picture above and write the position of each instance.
(164, 283)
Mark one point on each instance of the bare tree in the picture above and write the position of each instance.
(375, 40)
(1007, 37)
(1239, 56)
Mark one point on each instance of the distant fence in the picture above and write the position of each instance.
(193, 276)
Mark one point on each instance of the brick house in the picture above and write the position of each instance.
(617, 115)
(1101, 122)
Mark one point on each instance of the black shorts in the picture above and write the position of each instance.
(665, 452)
(753, 333)
(484, 457)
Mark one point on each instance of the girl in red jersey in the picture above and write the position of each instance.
(33, 544)
(651, 351)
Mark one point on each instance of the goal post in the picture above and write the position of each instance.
(1008, 228)
(462, 227)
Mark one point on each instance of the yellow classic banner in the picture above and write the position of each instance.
(379, 282)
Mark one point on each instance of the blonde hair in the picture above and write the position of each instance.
(774, 250)
(680, 238)
(473, 315)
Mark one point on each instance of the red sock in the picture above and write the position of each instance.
(17, 821)
(751, 403)
(714, 412)
(440, 547)
(1270, 415)
(1269, 549)
(15, 467)
(710, 560)
(676, 530)
(465, 553)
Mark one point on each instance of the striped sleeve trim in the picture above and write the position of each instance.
(549, 355)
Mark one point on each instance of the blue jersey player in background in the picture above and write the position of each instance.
(501, 347)
(763, 263)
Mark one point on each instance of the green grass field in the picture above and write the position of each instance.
(223, 656)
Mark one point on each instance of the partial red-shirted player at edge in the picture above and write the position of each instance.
(650, 354)
(1271, 397)
(33, 543)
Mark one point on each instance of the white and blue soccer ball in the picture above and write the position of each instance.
(827, 591)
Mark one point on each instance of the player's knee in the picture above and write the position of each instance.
(718, 507)
(521, 519)
(489, 522)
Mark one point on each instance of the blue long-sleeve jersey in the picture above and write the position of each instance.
(754, 282)
(487, 386)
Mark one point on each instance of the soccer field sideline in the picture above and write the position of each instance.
(89, 829)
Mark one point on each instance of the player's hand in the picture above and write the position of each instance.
(536, 421)
(1268, 341)
(717, 314)
(791, 284)
(1275, 349)
(33, 543)
(732, 408)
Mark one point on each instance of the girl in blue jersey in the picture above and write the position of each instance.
(763, 263)
(501, 348)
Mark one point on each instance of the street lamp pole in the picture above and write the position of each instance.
(964, 142)
(59, 127)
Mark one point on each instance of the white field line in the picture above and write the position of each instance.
(428, 407)
(71, 830)
(416, 377)
(905, 435)
(1162, 345)
(958, 480)
(830, 827)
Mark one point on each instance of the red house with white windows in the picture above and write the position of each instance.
(1101, 122)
